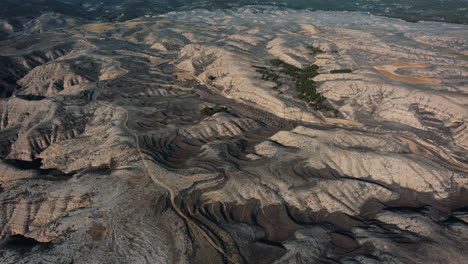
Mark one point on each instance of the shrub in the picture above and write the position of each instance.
(314, 50)
(209, 111)
(276, 62)
(342, 71)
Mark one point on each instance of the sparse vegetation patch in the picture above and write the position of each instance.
(342, 71)
(209, 111)
(305, 87)
(269, 75)
(314, 50)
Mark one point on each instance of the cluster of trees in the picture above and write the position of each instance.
(342, 71)
(305, 87)
(453, 11)
(269, 75)
(209, 111)
(314, 50)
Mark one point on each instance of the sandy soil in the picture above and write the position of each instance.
(338, 121)
(389, 71)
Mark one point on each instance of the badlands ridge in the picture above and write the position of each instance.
(108, 155)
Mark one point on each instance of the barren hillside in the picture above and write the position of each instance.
(255, 135)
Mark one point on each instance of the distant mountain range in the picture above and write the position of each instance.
(453, 11)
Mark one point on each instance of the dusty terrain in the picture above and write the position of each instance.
(106, 156)
(389, 71)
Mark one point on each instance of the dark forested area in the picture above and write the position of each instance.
(453, 11)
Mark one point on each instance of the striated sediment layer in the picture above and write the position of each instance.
(157, 140)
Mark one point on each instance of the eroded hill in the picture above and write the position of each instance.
(247, 136)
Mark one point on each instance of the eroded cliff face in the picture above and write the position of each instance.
(106, 157)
